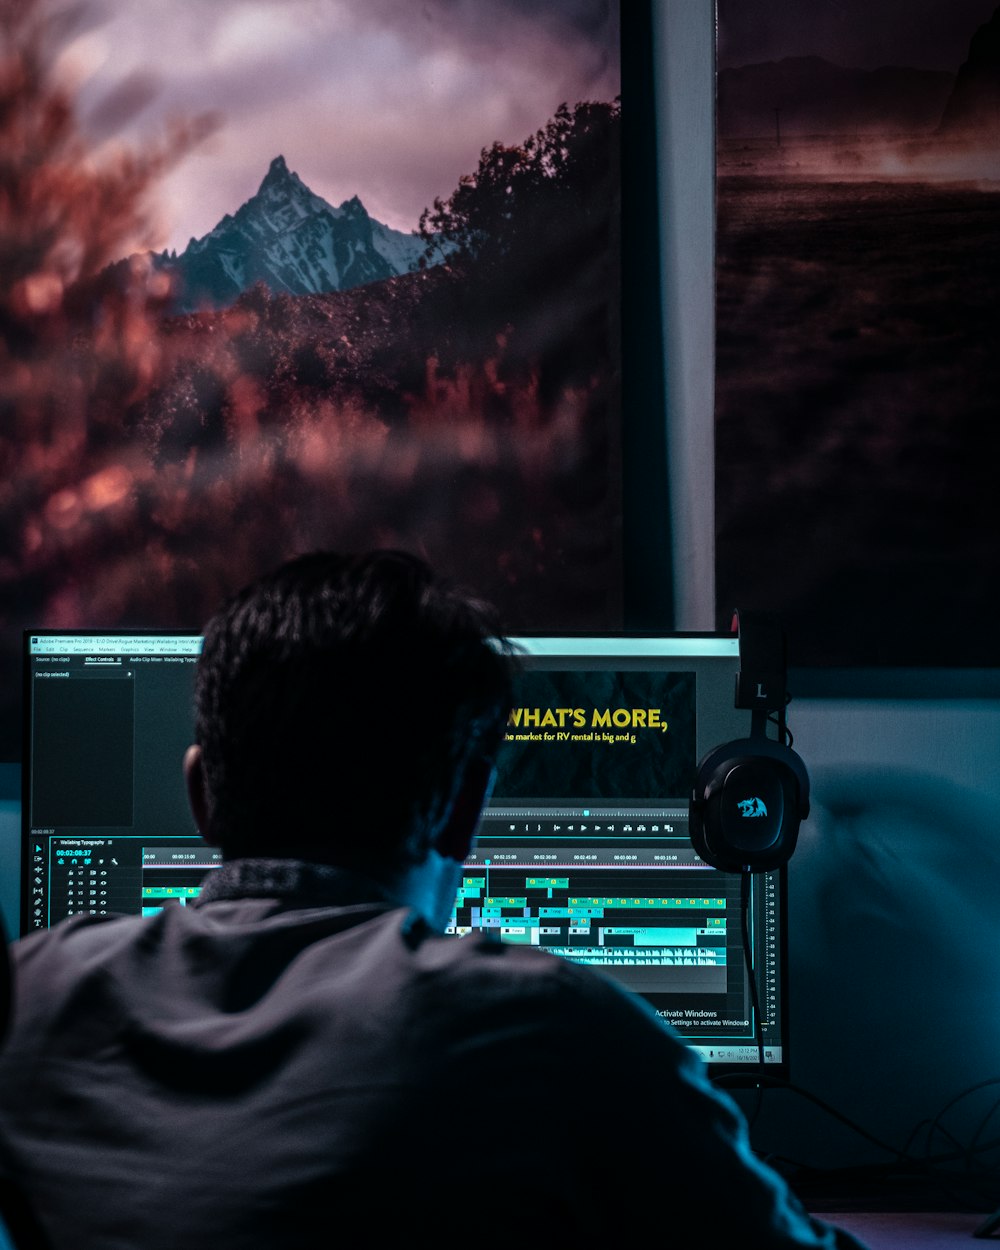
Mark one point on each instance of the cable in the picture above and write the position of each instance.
(777, 1082)
(929, 1166)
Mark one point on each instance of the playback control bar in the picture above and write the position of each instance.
(574, 824)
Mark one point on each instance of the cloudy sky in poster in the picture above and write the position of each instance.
(389, 100)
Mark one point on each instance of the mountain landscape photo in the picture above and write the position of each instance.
(232, 330)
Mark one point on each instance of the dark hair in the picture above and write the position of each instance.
(338, 700)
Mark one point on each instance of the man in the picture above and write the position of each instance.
(301, 1054)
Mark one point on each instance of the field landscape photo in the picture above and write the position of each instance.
(282, 274)
(858, 353)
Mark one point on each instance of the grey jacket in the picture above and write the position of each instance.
(294, 1052)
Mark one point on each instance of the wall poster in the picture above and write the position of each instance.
(858, 353)
(297, 273)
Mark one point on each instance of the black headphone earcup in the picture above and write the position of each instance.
(747, 802)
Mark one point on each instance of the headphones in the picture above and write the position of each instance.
(750, 795)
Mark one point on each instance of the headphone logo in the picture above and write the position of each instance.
(752, 807)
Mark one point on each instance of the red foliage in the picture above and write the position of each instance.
(148, 464)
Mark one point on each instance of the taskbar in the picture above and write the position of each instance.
(713, 1053)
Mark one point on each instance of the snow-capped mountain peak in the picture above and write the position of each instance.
(292, 240)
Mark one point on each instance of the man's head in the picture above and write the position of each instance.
(346, 708)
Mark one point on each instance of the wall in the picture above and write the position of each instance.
(684, 46)
(894, 924)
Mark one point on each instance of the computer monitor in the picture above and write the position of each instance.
(583, 849)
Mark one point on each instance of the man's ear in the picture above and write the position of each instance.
(194, 778)
(458, 833)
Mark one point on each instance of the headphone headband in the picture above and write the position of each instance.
(760, 683)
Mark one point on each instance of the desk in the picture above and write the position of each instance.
(910, 1230)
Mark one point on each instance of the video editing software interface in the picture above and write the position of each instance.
(583, 850)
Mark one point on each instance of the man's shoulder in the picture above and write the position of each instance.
(352, 959)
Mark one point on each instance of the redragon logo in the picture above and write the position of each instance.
(752, 807)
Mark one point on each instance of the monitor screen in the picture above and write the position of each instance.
(583, 849)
